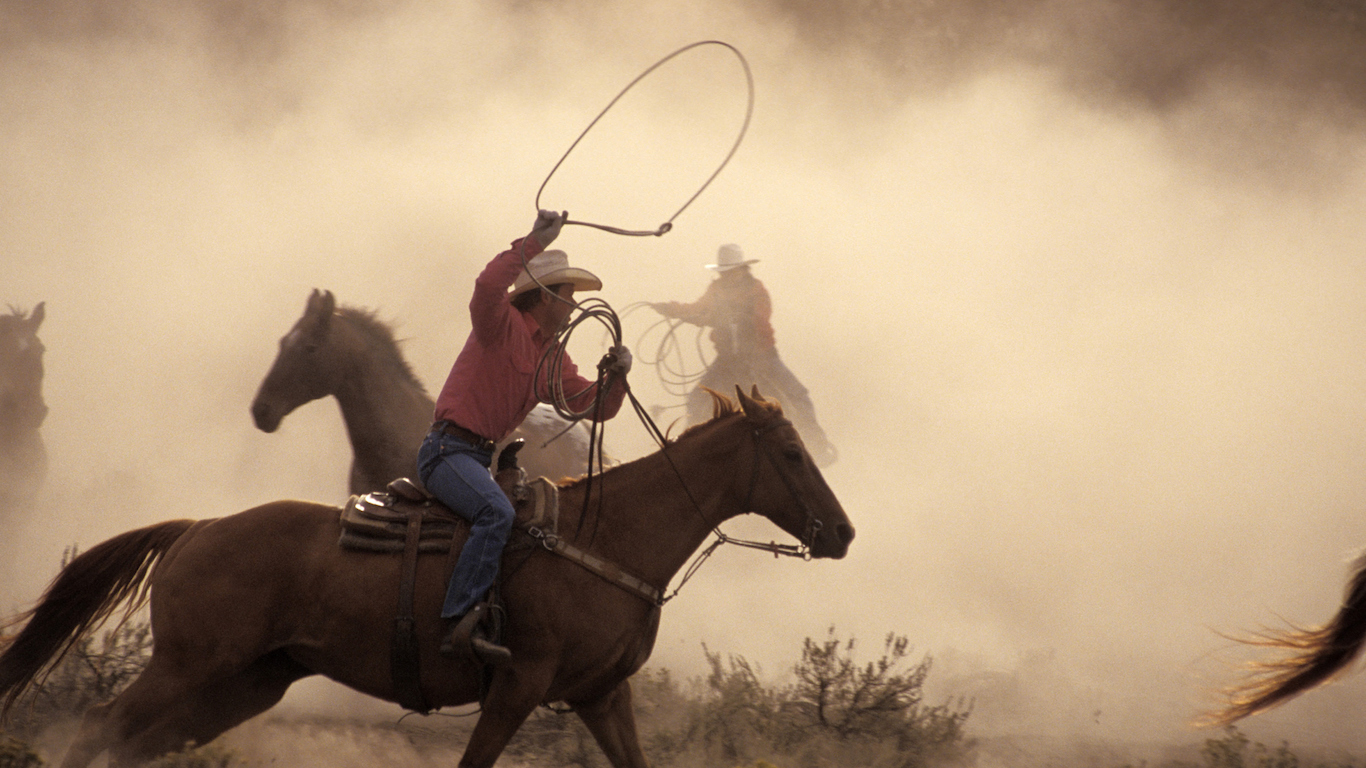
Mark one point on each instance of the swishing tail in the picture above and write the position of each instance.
(1320, 655)
(84, 594)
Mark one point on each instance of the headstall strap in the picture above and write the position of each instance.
(813, 526)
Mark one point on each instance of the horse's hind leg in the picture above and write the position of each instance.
(213, 707)
(164, 712)
(154, 691)
(612, 722)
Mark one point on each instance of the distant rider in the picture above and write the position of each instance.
(737, 308)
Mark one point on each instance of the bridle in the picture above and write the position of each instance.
(801, 549)
(631, 584)
(813, 526)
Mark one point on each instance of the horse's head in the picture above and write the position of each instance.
(21, 371)
(299, 373)
(784, 484)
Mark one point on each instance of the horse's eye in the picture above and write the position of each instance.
(793, 452)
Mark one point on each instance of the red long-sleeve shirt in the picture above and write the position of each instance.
(737, 309)
(489, 389)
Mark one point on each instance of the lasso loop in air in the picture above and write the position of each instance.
(667, 225)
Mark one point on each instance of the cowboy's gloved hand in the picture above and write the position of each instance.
(665, 308)
(618, 360)
(547, 226)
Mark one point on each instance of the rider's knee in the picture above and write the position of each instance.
(498, 513)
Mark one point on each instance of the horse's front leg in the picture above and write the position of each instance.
(612, 721)
(513, 695)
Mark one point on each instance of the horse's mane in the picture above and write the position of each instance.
(15, 316)
(380, 336)
(722, 408)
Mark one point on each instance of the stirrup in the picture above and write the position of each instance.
(467, 638)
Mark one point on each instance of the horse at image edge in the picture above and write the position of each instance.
(1313, 657)
(23, 455)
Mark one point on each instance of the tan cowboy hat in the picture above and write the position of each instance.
(551, 268)
(729, 256)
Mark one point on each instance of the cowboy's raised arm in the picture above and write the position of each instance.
(490, 308)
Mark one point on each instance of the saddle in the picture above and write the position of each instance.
(378, 521)
(406, 518)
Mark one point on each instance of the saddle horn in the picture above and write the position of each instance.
(507, 459)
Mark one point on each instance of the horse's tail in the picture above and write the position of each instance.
(83, 595)
(1320, 654)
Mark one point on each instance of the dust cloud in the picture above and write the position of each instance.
(1076, 288)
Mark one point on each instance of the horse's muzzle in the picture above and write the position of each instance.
(265, 419)
(835, 546)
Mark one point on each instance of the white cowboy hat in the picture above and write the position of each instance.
(551, 268)
(729, 256)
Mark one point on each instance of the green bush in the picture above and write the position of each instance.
(1235, 750)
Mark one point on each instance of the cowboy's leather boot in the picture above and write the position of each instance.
(489, 652)
(466, 637)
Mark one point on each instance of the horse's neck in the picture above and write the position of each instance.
(23, 462)
(20, 433)
(649, 524)
(381, 407)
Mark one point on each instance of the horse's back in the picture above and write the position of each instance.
(274, 578)
(247, 567)
(555, 448)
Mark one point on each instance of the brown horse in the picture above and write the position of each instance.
(1317, 656)
(243, 606)
(351, 355)
(23, 457)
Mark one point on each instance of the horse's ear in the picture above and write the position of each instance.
(321, 305)
(752, 406)
(36, 318)
(757, 408)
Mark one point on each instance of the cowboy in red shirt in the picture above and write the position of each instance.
(737, 309)
(489, 391)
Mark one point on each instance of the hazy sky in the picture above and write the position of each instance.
(1077, 288)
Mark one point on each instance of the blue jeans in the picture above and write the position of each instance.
(457, 474)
